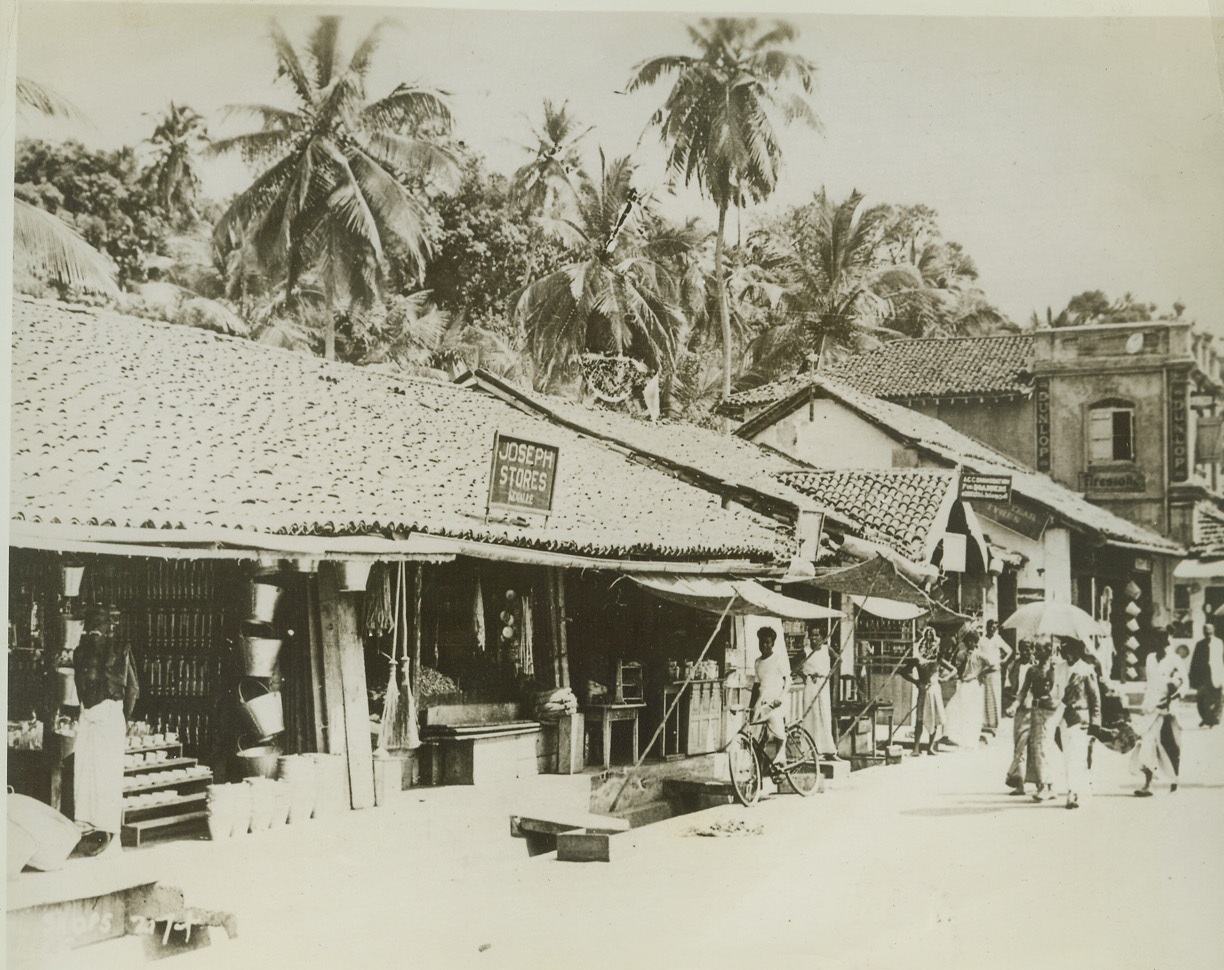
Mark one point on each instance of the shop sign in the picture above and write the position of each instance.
(1018, 518)
(1041, 394)
(994, 488)
(1113, 481)
(522, 476)
(1201, 401)
(1179, 438)
(1143, 564)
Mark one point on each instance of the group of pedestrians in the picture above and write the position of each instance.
(1055, 691)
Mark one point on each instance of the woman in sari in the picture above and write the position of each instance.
(1159, 746)
(1042, 690)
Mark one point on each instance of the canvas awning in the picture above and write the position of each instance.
(879, 579)
(1199, 569)
(747, 598)
(888, 609)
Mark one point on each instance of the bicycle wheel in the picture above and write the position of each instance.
(745, 772)
(802, 765)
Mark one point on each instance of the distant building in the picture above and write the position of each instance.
(1126, 415)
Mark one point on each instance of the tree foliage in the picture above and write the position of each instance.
(178, 138)
(98, 194)
(721, 119)
(344, 178)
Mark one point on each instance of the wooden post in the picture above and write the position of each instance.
(315, 653)
(417, 588)
(562, 639)
(342, 642)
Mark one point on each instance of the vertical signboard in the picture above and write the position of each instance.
(522, 477)
(1041, 395)
(1179, 434)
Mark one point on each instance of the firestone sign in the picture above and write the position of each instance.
(522, 476)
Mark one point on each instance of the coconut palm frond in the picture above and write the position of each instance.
(45, 101)
(50, 248)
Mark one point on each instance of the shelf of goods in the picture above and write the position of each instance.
(161, 796)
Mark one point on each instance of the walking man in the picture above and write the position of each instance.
(1081, 720)
(1207, 676)
(1021, 706)
(995, 653)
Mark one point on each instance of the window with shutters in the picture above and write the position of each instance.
(1111, 432)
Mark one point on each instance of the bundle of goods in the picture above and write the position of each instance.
(552, 705)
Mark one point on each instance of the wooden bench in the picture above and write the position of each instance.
(134, 832)
(470, 743)
(541, 832)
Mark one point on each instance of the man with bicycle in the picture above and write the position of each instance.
(767, 701)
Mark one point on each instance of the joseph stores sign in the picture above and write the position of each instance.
(522, 476)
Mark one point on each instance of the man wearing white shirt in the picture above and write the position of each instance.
(769, 693)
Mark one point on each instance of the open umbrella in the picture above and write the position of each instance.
(1046, 618)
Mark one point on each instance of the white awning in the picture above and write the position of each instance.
(1198, 569)
(888, 609)
(747, 598)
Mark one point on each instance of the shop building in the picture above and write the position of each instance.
(1125, 415)
(1051, 543)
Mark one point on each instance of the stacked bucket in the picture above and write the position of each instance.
(1133, 609)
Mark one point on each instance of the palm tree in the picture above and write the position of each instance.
(178, 136)
(337, 195)
(43, 243)
(833, 291)
(613, 297)
(547, 183)
(721, 118)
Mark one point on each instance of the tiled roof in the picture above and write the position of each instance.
(721, 456)
(118, 421)
(931, 367)
(948, 444)
(901, 508)
(1208, 528)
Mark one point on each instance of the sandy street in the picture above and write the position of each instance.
(924, 865)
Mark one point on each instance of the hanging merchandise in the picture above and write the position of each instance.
(478, 617)
(407, 733)
(379, 608)
(1133, 590)
(526, 651)
(390, 713)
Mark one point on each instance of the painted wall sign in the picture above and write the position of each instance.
(1179, 435)
(1018, 518)
(995, 488)
(1041, 394)
(522, 476)
(1129, 480)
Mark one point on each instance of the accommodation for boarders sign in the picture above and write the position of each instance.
(522, 476)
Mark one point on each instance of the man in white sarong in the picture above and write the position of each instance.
(769, 693)
(816, 668)
(107, 688)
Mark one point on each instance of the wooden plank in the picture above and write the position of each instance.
(584, 846)
(340, 638)
(324, 641)
(418, 582)
(562, 633)
(562, 821)
(315, 652)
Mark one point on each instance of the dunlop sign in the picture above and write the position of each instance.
(522, 476)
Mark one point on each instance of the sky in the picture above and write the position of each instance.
(1065, 153)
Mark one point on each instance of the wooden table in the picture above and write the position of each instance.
(609, 714)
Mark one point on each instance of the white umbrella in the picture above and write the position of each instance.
(1046, 618)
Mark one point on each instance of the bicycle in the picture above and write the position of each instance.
(746, 758)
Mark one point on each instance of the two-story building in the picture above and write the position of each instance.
(1125, 415)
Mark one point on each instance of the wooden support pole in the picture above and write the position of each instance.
(318, 713)
(562, 636)
(418, 583)
(338, 615)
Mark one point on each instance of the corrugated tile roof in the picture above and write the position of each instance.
(722, 456)
(956, 448)
(927, 368)
(119, 421)
(901, 508)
